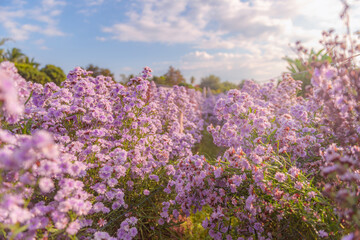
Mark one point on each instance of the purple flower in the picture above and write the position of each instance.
(43, 141)
(249, 203)
(98, 207)
(323, 234)
(256, 158)
(116, 205)
(60, 219)
(217, 172)
(130, 183)
(312, 194)
(280, 177)
(348, 237)
(294, 172)
(112, 182)
(298, 185)
(46, 184)
(101, 236)
(105, 172)
(8, 91)
(73, 228)
(154, 177)
(161, 221)
(100, 188)
(133, 232)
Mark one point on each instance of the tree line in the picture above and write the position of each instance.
(174, 76)
(300, 67)
(29, 69)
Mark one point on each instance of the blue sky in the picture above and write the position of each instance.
(230, 38)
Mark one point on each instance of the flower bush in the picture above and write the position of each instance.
(95, 159)
(261, 186)
(81, 160)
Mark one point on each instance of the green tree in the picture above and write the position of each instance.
(187, 85)
(160, 80)
(99, 71)
(226, 86)
(30, 73)
(28, 68)
(49, 73)
(125, 79)
(31, 62)
(213, 82)
(171, 77)
(241, 84)
(2, 51)
(15, 55)
(56, 74)
(302, 68)
(174, 76)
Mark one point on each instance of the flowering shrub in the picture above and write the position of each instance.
(259, 187)
(98, 151)
(95, 159)
(340, 120)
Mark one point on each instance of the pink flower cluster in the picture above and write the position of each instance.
(95, 159)
(75, 157)
(258, 184)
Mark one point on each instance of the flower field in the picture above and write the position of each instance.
(96, 159)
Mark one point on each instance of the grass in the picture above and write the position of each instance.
(207, 147)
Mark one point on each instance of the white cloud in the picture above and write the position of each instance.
(87, 11)
(260, 29)
(19, 3)
(40, 42)
(55, 13)
(43, 19)
(231, 66)
(217, 23)
(199, 55)
(50, 4)
(90, 7)
(16, 32)
(158, 21)
(101, 39)
(126, 69)
(95, 2)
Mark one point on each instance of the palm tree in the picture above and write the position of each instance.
(2, 51)
(31, 62)
(302, 68)
(15, 55)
